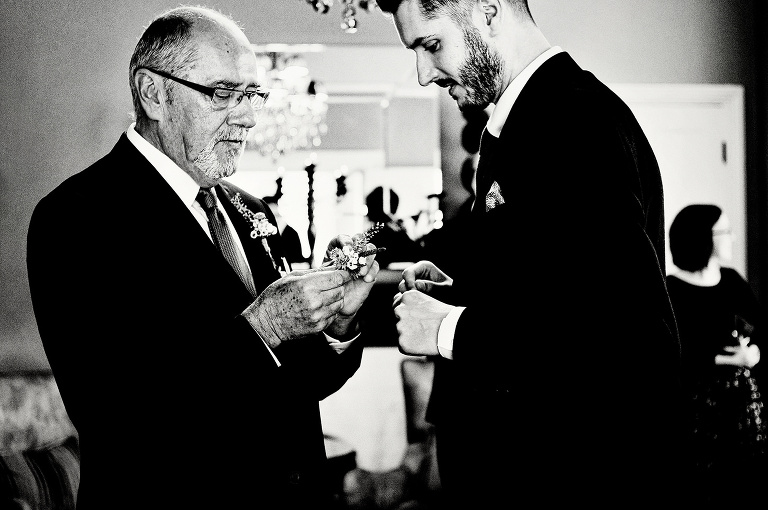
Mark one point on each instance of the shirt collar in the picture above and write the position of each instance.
(509, 96)
(184, 186)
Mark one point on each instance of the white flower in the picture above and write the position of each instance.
(262, 228)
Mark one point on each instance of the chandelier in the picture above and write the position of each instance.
(294, 116)
(348, 12)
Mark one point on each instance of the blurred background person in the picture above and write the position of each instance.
(289, 236)
(721, 331)
(443, 246)
(393, 235)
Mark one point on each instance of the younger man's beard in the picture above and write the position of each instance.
(481, 71)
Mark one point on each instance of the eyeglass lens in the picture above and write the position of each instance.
(226, 98)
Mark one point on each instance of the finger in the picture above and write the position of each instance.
(339, 241)
(373, 271)
(409, 279)
(302, 272)
(327, 279)
(422, 286)
(333, 297)
(368, 271)
(346, 276)
(397, 299)
(365, 259)
(364, 264)
(334, 309)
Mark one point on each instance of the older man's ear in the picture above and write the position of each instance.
(151, 93)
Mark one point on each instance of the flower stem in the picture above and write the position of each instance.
(375, 251)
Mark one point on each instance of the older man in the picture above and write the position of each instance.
(557, 377)
(191, 370)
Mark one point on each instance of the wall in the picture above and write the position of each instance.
(657, 41)
(65, 97)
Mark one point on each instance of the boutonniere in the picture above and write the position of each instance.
(261, 226)
(352, 257)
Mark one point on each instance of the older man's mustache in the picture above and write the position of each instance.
(234, 134)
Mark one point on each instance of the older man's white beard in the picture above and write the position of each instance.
(208, 162)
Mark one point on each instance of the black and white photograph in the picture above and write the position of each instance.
(383, 254)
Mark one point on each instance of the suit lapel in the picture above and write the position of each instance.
(498, 156)
(164, 222)
(176, 230)
(261, 266)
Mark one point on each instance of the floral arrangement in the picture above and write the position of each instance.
(261, 226)
(352, 257)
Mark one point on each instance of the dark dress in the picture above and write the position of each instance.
(292, 245)
(726, 420)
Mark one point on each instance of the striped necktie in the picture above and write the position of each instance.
(222, 238)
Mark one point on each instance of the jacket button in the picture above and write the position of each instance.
(294, 478)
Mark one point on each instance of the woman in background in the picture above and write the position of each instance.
(289, 236)
(721, 329)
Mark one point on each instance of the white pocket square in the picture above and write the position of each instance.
(493, 198)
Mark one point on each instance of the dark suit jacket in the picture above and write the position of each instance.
(177, 402)
(565, 381)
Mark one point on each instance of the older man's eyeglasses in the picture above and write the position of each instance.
(222, 97)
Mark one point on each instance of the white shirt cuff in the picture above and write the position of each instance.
(338, 345)
(277, 361)
(447, 331)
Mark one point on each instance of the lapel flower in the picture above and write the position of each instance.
(350, 257)
(261, 226)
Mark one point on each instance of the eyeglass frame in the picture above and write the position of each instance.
(211, 91)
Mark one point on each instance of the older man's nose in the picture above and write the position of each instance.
(244, 114)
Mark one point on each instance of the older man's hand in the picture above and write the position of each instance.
(356, 290)
(299, 304)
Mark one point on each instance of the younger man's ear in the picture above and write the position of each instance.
(151, 93)
(489, 9)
